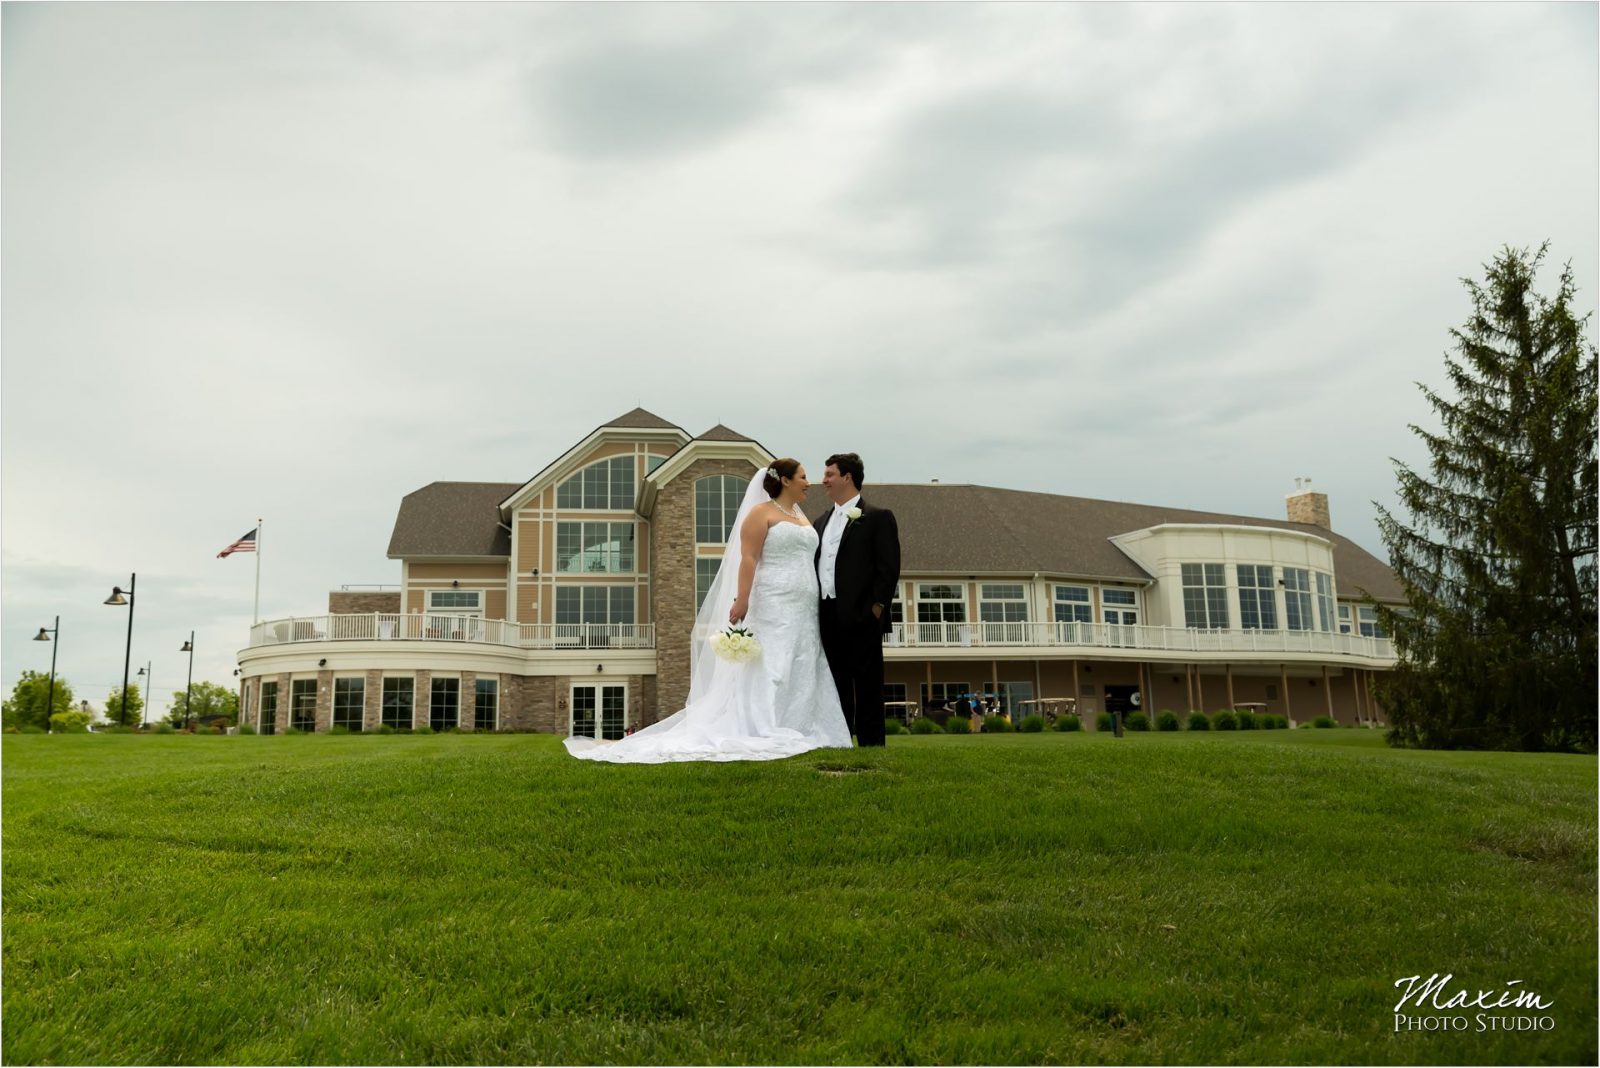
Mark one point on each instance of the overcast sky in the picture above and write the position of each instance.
(298, 260)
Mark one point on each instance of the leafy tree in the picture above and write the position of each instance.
(211, 704)
(135, 706)
(26, 706)
(70, 722)
(1497, 641)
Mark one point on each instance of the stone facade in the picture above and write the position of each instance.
(1310, 507)
(467, 709)
(421, 699)
(342, 602)
(672, 581)
(372, 702)
(529, 704)
(324, 700)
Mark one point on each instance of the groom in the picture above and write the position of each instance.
(858, 568)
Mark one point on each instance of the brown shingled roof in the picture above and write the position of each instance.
(641, 418)
(722, 433)
(980, 528)
(452, 519)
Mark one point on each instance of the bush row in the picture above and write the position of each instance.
(1166, 720)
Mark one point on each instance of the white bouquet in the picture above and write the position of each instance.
(735, 644)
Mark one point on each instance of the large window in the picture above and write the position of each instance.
(444, 708)
(1344, 619)
(1324, 601)
(705, 573)
(1072, 605)
(486, 705)
(398, 695)
(1258, 602)
(583, 548)
(603, 486)
(349, 695)
(1297, 599)
(1205, 596)
(716, 504)
(463, 602)
(303, 704)
(594, 604)
(269, 708)
(939, 605)
(1370, 627)
(1003, 611)
(938, 694)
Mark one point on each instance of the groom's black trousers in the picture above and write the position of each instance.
(855, 656)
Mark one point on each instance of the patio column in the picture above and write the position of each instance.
(1228, 670)
(1326, 692)
(1283, 685)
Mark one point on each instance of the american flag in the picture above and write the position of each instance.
(246, 544)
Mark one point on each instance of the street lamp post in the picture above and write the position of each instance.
(118, 597)
(188, 689)
(149, 687)
(44, 636)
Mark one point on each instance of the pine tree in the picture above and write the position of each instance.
(1497, 642)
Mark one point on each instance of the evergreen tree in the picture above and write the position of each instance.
(1497, 642)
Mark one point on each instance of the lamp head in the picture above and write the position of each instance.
(116, 596)
(43, 635)
(188, 647)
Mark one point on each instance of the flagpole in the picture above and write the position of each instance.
(256, 618)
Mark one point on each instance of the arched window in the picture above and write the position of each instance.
(604, 485)
(716, 503)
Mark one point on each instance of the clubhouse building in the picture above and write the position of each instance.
(566, 603)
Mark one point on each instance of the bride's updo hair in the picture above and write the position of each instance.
(777, 471)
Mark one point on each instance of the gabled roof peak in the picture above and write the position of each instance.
(639, 418)
(723, 433)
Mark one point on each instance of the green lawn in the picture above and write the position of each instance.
(1052, 898)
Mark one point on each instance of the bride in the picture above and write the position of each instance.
(784, 701)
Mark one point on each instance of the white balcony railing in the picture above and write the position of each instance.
(1125, 636)
(378, 626)
(433, 627)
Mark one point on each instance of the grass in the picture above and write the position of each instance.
(1039, 898)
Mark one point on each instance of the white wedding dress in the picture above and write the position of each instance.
(779, 704)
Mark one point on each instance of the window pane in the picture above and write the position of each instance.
(1072, 593)
(568, 604)
(446, 701)
(348, 696)
(613, 702)
(487, 704)
(583, 712)
(705, 572)
(1119, 596)
(397, 696)
(622, 482)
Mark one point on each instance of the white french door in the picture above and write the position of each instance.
(599, 710)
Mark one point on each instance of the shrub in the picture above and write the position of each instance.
(1138, 721)
(164, 728)
(893, 726)
(424, 729)
(1247, 721)
(384, 728)
(1324, 722)
(246, 728)
(13, 730)
(288, 731)
(958, 725)
(1224, 721)
(70, 722)
(997, 725)
(1069, 722)
(1167, 720)
(1031, 724)
(1199, 722)
(924, 725)
(1102, 722)
(32, 729)
(1276, 723)
(338, 728)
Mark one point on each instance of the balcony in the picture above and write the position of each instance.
(1113, 639)
(415, 627)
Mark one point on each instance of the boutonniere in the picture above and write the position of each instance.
(852, 514)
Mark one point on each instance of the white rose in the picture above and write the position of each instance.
(853, 514)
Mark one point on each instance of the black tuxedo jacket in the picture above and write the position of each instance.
(867, 570)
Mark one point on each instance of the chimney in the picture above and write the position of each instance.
(1307, 507)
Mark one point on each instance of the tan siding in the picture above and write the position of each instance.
(495, 604)
(479, 574)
